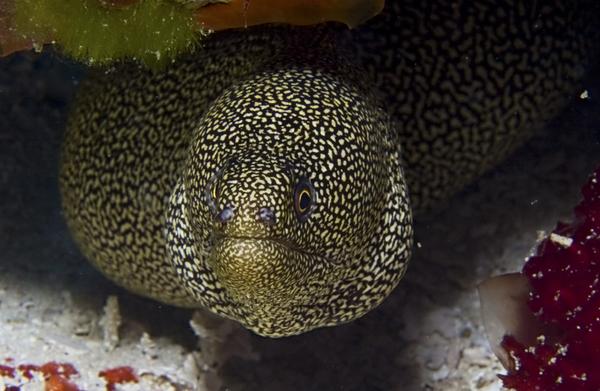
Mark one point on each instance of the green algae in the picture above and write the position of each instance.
(152, 31)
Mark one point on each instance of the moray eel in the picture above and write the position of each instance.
(266, 176)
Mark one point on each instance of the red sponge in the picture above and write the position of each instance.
(564, 276)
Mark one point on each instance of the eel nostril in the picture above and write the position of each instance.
(267, 216)
(225, 214)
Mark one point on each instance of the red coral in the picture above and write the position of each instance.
(565, 295)
(7, 371)
(118, 375)
(56, 375)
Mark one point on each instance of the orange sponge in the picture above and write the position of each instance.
(244, 13)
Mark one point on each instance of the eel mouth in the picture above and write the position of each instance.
(283, 242)
(274, 287)
(288, 244)
(259, 271)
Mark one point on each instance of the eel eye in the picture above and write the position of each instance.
(304, 198)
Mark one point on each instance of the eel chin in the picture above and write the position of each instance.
(262, 271)
(272, 283)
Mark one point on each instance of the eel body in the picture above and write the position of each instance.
(266, 177)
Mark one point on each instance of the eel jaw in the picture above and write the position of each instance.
(260, 271)
(274, 289)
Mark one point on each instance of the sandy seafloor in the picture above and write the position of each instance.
(426, 336)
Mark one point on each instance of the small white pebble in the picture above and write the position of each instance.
(561, 240)
(149, 348)
(585, 95)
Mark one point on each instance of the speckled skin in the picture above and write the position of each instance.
(467, 82)
(262, 178)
